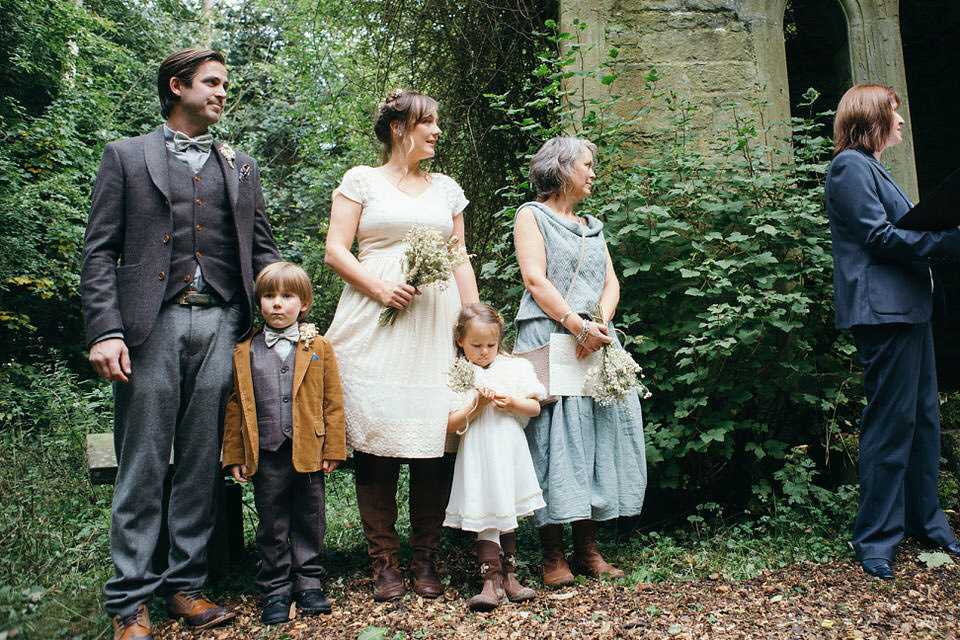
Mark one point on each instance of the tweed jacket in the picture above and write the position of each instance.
(131, 222)
(881, 273)
(319, 431)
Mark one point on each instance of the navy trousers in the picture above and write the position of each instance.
(899, 441)
(293, 521)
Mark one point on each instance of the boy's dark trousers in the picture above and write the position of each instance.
(292, 512)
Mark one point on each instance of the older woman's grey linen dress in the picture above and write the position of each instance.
(590, 459)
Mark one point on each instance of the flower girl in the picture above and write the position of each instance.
(494, 482)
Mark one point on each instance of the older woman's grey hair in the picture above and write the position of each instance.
(552, 164)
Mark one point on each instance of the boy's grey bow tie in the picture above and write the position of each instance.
(272, 336)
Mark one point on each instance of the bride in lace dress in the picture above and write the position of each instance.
(394, 384)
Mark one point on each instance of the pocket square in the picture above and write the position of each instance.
(314, 357)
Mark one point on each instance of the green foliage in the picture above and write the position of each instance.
(727, 292)
(935, 559)
(72, 85)
(808, 526)
(53, 524)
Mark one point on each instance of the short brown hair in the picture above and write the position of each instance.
(481, 313)
(403, 106)
(285, 276)
(181, 64)
(864, 118)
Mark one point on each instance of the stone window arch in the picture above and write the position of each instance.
(876, 56)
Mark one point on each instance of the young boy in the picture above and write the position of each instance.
(283, 426)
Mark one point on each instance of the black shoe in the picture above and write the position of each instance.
(953, 548)
(276, 609)
(878, 568)
(312, 601)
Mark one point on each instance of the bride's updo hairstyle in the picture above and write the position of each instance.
(405, 107)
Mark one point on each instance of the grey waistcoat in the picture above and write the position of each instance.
(273, 393)
(203, 230)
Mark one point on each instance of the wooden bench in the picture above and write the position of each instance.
(226, 545)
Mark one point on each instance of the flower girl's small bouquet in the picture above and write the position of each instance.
(616, 373)
(428, 259)
(464, 376)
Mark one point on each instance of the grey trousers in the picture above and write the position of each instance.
(175, 398)
(293, 521)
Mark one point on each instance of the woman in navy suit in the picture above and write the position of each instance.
(885, 291)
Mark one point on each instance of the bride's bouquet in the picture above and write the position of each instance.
(428, 259)
(616, 373)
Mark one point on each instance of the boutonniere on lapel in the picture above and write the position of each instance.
(308, 332)
(228, 154)
(244, 173)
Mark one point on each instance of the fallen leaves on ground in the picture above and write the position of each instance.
(805, 600)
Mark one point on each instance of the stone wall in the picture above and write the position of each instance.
(716, 52)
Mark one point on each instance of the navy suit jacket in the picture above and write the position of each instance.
(881, 274)
(131, 222)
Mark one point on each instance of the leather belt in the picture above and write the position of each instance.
(192, 298)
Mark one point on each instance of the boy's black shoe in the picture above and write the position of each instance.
(276, 609)
(312, 601)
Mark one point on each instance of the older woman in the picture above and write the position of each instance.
(589, 458)
(394, 376)
(884, 290)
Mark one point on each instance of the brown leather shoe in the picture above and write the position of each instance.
(387, 581)
(423, 575)
(197, 610)
(489, 555)
(586, 554)
(556, 571)
(133, 626)
(515, 591)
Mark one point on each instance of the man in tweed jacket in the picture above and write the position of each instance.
(177, 231)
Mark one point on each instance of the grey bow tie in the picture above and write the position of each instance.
(182, 141)
(272, 336)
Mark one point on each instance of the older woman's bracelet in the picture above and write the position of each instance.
(584, 332)
(565, 316)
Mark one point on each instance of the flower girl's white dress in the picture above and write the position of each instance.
(494, 482)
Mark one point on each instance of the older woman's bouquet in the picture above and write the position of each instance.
(428, 259)
(616, 373)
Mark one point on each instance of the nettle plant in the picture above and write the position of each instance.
(726, 278)
(727, 275)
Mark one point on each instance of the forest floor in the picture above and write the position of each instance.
(804, 600)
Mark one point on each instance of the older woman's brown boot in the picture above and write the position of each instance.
(586, 555)
(492, 595)
(515, 591)
(556, 572)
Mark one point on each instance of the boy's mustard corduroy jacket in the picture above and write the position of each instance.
(319, 432)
